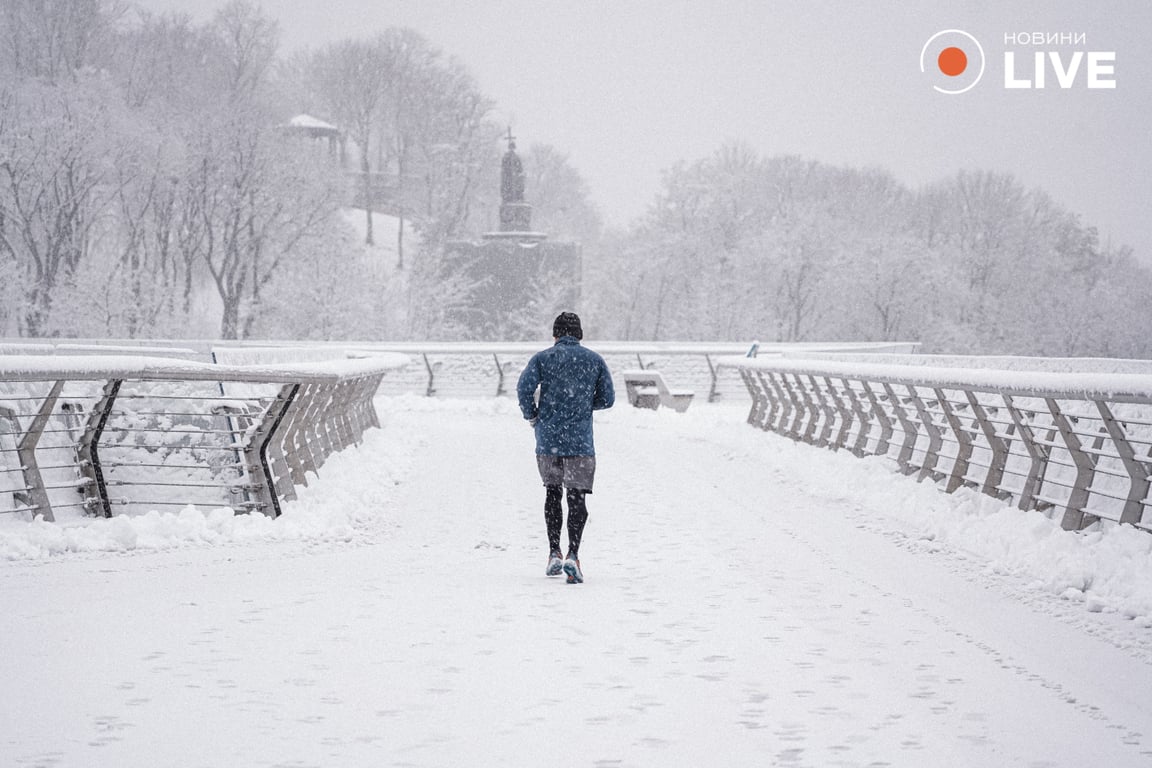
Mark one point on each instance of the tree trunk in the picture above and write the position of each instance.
(400, 210)
(230, 323)
(364, 171)
(400, 241)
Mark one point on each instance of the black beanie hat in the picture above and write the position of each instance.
(567, 324)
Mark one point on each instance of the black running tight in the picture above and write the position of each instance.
(554, 518)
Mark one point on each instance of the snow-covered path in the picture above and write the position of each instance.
(748, 602)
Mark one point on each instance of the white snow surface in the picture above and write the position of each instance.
(748, 602)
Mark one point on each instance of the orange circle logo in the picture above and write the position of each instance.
(959, 60)
(952, 61)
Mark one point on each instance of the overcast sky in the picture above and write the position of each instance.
(629, 87)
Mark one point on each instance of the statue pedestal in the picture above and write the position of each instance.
(515, 217)
(525, 238)
(515, 283)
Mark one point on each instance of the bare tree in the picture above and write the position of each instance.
(58, 146)
(256, 195)
(53, 40)
(453, 152)
(349, 80)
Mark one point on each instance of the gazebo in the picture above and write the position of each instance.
(314, 128)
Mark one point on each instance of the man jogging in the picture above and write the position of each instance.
(573, 381)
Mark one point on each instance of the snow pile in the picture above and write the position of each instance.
(1109, 570)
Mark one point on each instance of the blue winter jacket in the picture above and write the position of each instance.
(573, 381)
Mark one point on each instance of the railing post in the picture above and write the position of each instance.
(787, 404)
(357, 416)
(810, 408)
(997, 444)
(368, 404)
(828, 411)
(362, 389)
(329, 425)
(1075, 518)
(956, 477)
(860, 447)
(356, 422)
(359, 398)
(499, 375)
(782, 403)
(304, 441)
(34, 495)
(714, 390)
(935, 439)
(910, 429)
(256, 448)
(431, 390)
(277, 459)
(340, 416)
(295, 442)
(793, 430)
(1140, 473)
(88, 451)
(346, 421)
(1038, 454)
(759, 404)
(882, 417)
(771, 401)
(374, 417)
(320, 427)
(844, 414)
(811, 412)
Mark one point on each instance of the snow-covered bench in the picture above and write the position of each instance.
(647, 389)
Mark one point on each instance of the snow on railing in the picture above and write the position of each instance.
(488, 369)
(470, 368)
(82, 434)
(1079, 443)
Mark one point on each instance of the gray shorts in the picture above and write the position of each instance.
(576, 472)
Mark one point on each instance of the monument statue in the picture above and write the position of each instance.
(515, 214)
(507, 268)
(511, 174)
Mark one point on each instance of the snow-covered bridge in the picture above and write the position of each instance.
(750, 600)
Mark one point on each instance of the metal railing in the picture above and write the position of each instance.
(472, 369)
(83, 435)
(1074, 444)
(486, 369)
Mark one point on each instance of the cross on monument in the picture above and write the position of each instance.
(510, 138)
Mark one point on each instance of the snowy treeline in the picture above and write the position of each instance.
(141, 168)
(778, 248)
(150, 184)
